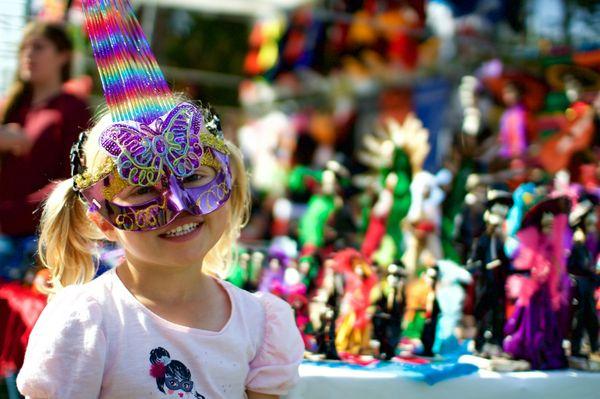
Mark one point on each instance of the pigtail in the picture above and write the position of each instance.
(220, 258)
(67, 238)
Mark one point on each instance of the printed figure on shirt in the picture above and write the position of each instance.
(172, 375)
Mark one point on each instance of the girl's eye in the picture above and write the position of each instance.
(193, 178)
(200, 178)
(137, 195)
(143, 190)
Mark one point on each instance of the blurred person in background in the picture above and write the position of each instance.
(38, 123)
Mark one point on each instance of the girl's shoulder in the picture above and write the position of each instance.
(268, 316)
(68, 335)
(258, 305)
(80, 300)
(274, 366)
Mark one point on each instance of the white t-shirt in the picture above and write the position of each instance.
(98, 341)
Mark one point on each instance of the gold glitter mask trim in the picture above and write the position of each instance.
(209, 140)
(87, 179)
(116, 185)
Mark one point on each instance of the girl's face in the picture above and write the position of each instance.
(183, 242)
(40, 60)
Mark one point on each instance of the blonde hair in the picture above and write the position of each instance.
(69, 239)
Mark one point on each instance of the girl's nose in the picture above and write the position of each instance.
(181, 394)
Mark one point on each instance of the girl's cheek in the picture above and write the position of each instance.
(170, 391)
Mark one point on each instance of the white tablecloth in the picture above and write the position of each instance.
(318, 382)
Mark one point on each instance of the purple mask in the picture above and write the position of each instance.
(178, 163)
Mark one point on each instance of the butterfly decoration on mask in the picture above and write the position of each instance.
(144, 154)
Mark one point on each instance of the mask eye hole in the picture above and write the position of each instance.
(136, 195)
(203, 175)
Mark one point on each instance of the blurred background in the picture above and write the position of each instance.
(308, 88)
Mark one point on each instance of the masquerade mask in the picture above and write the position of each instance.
(163, 158)
(178, 163)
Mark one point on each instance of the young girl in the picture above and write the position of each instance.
(160, 180)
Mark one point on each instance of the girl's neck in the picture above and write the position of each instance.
(165, 285)
(184, 296)
(41, 92)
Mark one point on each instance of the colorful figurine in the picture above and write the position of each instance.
(512, 136)
(539, 322)
(398, 149)
(354, 321)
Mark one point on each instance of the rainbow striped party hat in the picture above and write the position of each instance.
(133, 84)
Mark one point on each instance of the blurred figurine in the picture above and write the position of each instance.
(324, 310)
(389, 310)
(325, 335)
(238, 275)
(450, 295)
(513, 124)
(423, 221)
(272, 276)
(444, 305)
(490, 265)
(585, 280)
(577, 134)
(325, 201)
(354, 321)
(539, 323)
(378, 219)
(395, 154)
(469, 223)
(418, 293)
(432, 307)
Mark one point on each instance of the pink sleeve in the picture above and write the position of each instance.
(274, 370)
(66, 351)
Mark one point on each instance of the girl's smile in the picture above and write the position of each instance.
(183, 230)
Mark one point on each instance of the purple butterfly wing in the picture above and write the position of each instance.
(181, 134)
(132, 151)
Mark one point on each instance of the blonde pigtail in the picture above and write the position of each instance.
(67, 238)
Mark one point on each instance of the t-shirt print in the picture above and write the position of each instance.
(173, 378)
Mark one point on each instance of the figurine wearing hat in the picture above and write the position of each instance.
(489, 264)
(536, 328)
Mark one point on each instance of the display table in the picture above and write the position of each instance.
(323, 382)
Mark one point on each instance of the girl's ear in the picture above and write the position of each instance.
(106, 228)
